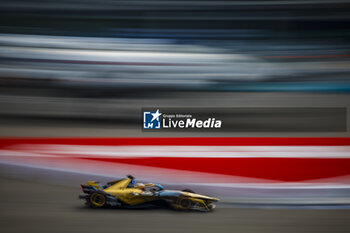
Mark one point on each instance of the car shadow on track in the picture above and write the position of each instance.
(137, 209)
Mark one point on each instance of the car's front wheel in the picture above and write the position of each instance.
(185, 203)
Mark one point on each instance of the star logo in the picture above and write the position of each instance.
(156, 115)
(151, 120)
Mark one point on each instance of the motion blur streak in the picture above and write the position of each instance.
(101, 62)
(115, 46)
(283, 161)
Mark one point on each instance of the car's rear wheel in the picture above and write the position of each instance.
(97, 200)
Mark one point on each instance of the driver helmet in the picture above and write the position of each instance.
(140, 186)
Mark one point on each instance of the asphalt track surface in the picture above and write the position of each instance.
(31, 206)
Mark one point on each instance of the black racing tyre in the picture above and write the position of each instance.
(188, 190)
(97, 200)
(186, 203)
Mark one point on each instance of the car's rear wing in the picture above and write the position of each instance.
(91, 186)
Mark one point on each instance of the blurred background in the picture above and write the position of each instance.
(84, 68)
(103, 61)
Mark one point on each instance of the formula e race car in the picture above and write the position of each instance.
(125, 193)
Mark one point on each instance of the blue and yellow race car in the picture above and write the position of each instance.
(126, 193)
